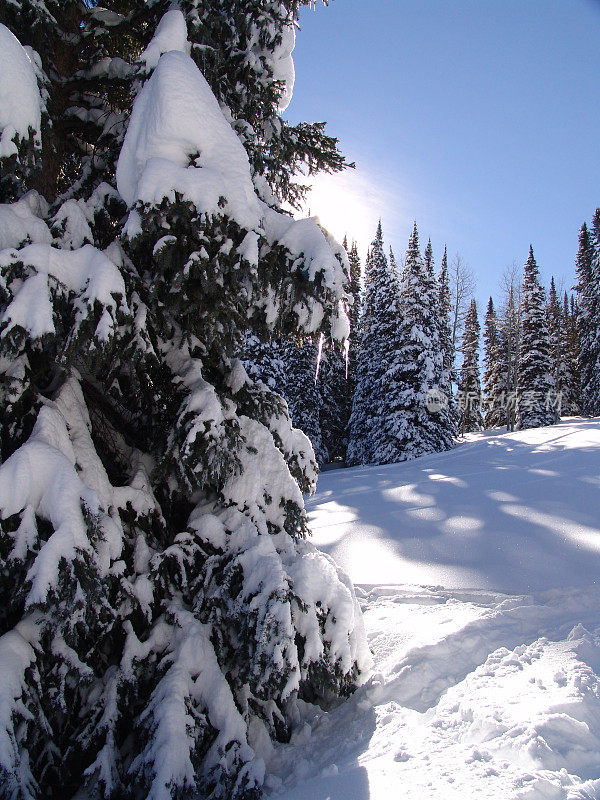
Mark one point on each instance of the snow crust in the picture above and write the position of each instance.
(20, 99)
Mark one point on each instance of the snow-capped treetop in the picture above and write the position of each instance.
(179, 142)
(171, 34)
(175, 118)
(20, 99)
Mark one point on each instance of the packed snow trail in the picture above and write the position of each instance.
(487, 689)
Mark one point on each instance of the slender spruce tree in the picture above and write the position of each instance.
(536, 391)
(445, 324)
(510, 344)
(494, 376)
(469, 384)
(559, 354)
(571, 401)
(355, 313)
(373, 435)
(588, 304)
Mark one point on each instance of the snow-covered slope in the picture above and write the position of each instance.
(515, 512)
(476, 693)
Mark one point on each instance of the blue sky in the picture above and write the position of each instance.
(478, 118)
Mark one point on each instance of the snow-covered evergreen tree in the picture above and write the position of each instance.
(571, 400)
(510, 343)
(494, 376)
(536, 392)
(288, 366)
(426, 423)
(161, 609)
(588, 305)
(370, 440)
(559, 354)
(399, 411)
(444, 312)
(428, 258)
(469, 384)
(355, 313)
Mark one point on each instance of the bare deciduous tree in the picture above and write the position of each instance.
(462, 289)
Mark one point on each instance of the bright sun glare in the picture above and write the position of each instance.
(347, 204)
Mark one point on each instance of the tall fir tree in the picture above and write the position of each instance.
(559, 354)
(469, 384)
(417, 418)
(159, 599)
(494, 376)
(445, 322)
(355, 313)
(572, 391)
(510, 344)
(536, 391)
(375, 399)
(428, 258)
(588, 305)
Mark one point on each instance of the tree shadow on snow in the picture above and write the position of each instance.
(324, 766)
(496, 513)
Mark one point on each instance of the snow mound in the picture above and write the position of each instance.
(86, 272)
(20, 100)
(175, 117)
(170, 34)
(20, 222)
(283, 65)
(179, 143)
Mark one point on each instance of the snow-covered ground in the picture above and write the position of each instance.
(479, 572)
